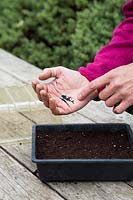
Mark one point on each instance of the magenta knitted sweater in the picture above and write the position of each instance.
(118, 52)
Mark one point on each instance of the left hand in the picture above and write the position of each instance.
(118, 88)
(66, 82)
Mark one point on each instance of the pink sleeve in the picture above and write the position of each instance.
(118, 52)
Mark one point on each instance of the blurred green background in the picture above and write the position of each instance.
(57, 32)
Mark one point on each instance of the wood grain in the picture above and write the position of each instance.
(76, 190)
(18, 183)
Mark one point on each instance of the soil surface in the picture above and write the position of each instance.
(83, 145)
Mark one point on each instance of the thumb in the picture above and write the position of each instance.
(50, 72)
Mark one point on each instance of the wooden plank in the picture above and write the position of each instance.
(6, 79)
(14, 127)
(4, 97)
(98, 112)
(78, 190)
(18, 183)
(21, 93)
(21, 151)
(23, 148)
(97, 191)
(75, 118)
(72, 191)
(17, 94)
(17, 68)
(18, 126)
(18, 98)
(44, 116)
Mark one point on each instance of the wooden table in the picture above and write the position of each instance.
(18, 180)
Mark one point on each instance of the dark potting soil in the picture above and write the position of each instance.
(83, 145)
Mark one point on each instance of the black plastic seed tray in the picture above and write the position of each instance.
(113, 161)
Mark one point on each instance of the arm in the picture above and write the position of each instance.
(118, 52)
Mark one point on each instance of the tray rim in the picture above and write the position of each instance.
(78, 161)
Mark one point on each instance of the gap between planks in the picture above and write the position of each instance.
(78, 190)
(22, 165)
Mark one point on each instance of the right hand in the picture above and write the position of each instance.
(117, 88)
(66, 82)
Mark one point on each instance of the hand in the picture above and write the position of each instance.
(118, 88)
(66, 82)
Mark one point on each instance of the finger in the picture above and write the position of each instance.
(87, 91)
(34, 83)
(49, 73)
(100, 82)
(44, 97)
(39, 87)
(121, 107)
(60, 111)
(58, 107)
(94, 85)
(53, 105)
(106, 92)
(84, 93)
(113, 100)
(39, 97)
